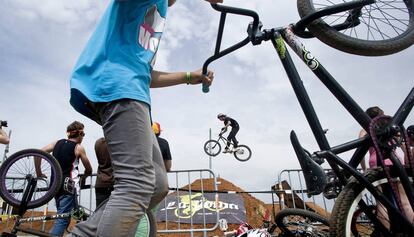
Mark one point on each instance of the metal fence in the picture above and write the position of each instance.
(292, 183)
(193, 181)
(290, 189)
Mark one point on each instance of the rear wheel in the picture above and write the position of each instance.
(19, 169)
(348, 219)
(242, 153)
(299, 222)
(212, 148)
(385, 27)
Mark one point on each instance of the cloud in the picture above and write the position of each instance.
(70, 13)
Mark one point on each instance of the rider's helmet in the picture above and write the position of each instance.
(220, 115)
(157, 128)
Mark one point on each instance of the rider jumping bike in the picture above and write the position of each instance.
(232, 135)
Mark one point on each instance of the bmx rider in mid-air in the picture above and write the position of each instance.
(232, 135)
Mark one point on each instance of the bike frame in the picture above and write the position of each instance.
(315, 178)
(224, 140)
(19, 221)
(27, 195)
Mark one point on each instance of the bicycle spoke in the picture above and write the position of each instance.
(379, 21)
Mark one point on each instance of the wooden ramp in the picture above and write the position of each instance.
(293, 200)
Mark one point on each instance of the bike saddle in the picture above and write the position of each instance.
(315, 177)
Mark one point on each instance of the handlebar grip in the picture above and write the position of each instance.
(205, 88)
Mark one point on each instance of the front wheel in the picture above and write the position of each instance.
(299, 222)
(348, 219)
(242, 153)
(212, 148)
(382, 28)
(19, 169)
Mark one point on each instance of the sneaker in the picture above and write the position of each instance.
(226, 150)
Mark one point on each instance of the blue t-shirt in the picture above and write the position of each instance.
(118, 59)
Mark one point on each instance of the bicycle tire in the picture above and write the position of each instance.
(212, 147)
(147, 226)
(13, 178)
(303, 225)
(343, 221)
(378, 40)
(243, 153)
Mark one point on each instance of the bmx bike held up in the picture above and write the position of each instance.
(353, 213)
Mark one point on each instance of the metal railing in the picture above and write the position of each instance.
(292, 183)
(191, 184)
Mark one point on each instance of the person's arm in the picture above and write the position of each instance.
(38, 162)
(81, 153)
(168, 158)
(362, 133)
(49, 147)
(168, 164)
(4, 139)
(164, 79)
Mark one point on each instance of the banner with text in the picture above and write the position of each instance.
(197, 208)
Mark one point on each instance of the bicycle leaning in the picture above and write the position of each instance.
(21, 188)
(290, 222)
(360, 195)
(213, 148)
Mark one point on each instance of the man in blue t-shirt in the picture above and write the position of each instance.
(110, 84)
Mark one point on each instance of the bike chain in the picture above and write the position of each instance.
(380, 155)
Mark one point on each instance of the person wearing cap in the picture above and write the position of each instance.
(164, 146)
(68, 152)
(229, 122)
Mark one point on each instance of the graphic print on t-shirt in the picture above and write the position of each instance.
(150, 31)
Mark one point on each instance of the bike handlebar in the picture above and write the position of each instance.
(253, 27)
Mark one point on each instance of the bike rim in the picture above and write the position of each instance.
(381, 21)
(212, 148)
(365, 227)
(14, 181)
(242, 153)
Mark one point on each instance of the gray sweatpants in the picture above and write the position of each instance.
(140, 176)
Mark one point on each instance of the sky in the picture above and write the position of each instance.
(40, 43)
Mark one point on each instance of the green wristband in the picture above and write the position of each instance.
(188, 77)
